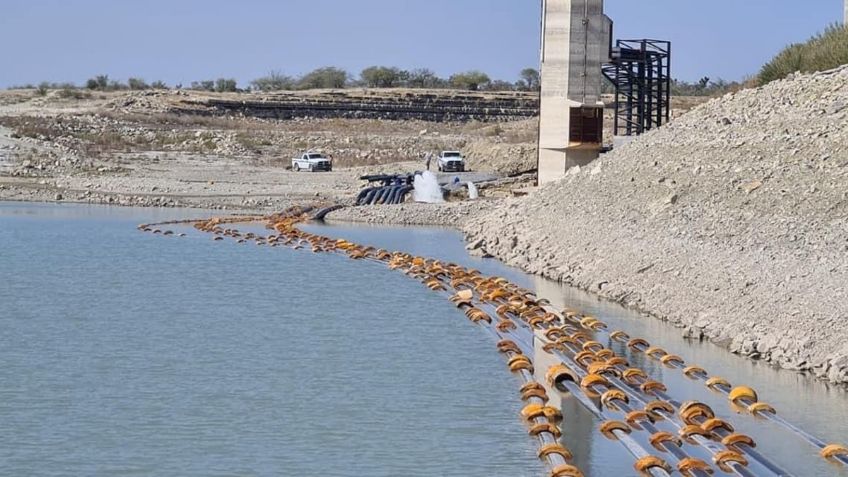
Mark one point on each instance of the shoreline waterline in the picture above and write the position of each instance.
(448, 245)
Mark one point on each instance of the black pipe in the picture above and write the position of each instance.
(396, 194)
(393, 194)
(323, 212)
(401, 196)
(380, 192)
(390, 198)
(363, 193)
(369, 196)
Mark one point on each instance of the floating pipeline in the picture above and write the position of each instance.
(602, 369)
(635, 411)
(589, 375)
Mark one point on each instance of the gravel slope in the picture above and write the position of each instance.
(731, 222)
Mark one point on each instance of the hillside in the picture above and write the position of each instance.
(731, 222)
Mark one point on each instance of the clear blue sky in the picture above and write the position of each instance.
(179, 41)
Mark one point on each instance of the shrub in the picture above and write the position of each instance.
(383, 76)
(470, 80)
(704, 87)
(158, 85)
(499, 85)
(137, 84)
(42, 89)
(206, 85)
(822, 52)
(327, 77)
(73, 93)
(100, 82)
(275, 81)
(424, 78)
(226, 85)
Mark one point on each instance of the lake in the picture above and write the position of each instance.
(127, 353)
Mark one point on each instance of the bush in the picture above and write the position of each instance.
(499, 85)
(822, 52)
(704, 87)
(100, 82)
(42, 89)
(137, 84)
(275, 81)
(158, 85)
(226, 85)
(470, 80)
(206, 85)
(424, 78)
(324, 78)
(73, 93)
(383, 76)
(103, 83)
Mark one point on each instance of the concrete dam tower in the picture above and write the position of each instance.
(576, 41)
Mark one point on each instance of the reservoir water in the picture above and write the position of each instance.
(126, 353)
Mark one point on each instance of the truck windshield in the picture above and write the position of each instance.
(314, 156)
(453, 154)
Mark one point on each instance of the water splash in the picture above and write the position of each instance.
(427, 189)
(473, 193)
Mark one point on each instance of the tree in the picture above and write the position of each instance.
(275, 81)
(424, 78)
(530, 79)
(226, 85)
(158, 85)
(115, 85)
(137, 84)
(328, 77)
(470, 80)
(98, 82)
(383, 76)
(499, 85)
(42, 89)
(205, 85)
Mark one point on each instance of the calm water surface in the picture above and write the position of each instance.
(126, 353)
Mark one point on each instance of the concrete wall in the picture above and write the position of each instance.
(845, 17)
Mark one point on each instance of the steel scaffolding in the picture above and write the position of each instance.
(640, 70)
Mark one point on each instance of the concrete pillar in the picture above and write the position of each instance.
(575, 42)
(845, 14)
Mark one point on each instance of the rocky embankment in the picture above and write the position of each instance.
(385, 104)
(731, 222)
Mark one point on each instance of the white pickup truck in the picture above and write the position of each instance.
(312, 161)
(451, 161)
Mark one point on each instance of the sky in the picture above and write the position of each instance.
(180, 41)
